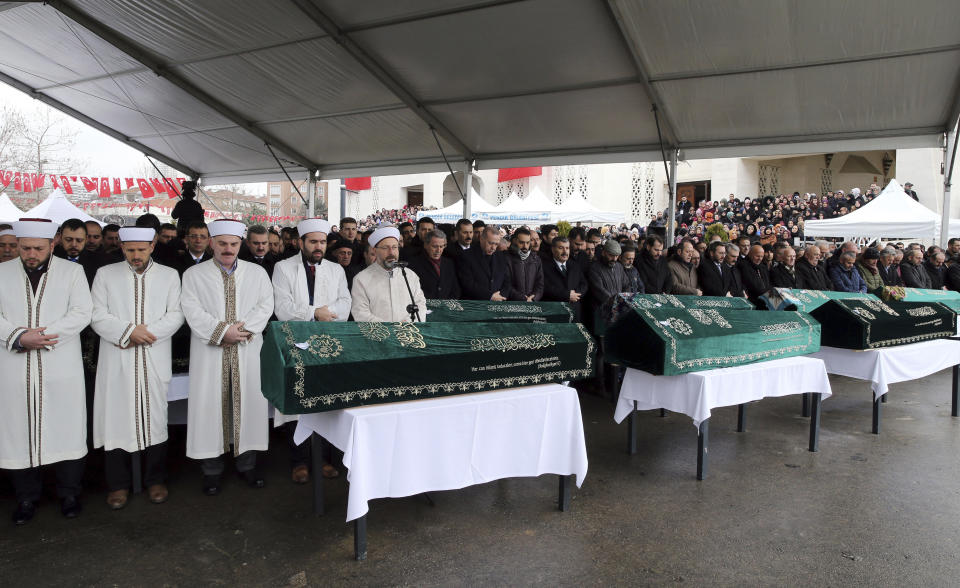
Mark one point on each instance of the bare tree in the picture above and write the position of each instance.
(11, 127)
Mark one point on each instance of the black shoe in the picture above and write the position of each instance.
(253, 479)
(23, 514)
(211, 485)
(70, 507)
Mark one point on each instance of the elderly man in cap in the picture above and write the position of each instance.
(346, 253)
(307, 287)
(227, 303)
(607, 278)
(380, 292)
(44, 304)
(908, 188)
(8, 244)
(136, 311)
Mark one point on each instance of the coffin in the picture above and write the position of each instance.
(319, 366)
(628, 302)
(483, 311)
(872, 324)
(926, 295)
(808, 300)
(670, 341)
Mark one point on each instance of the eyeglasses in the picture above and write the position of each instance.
(388, 247)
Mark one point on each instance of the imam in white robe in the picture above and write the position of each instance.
(130, 404)
(211, 301)
(379, 297)
(43, 405)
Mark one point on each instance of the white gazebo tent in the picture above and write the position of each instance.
(8, 210)
(892, 214)
(454, 212)
(576, 209)
(57, 208)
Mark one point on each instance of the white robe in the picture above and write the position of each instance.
(204, 303)
(292, 300)
(130, 405)
(43, 405)
(380, 298)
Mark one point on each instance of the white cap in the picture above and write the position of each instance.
(226, 226)
(384, 233)
(6, 232)
(136, 234)
(313, 225)
(38, 228)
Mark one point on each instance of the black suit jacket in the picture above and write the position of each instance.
(186, 261)
(756, 279)
(445, 286)
(556, 287)
(91, 262)
(781, 278)
(713, 282)
(477, 281)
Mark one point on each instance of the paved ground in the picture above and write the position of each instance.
(865, 511)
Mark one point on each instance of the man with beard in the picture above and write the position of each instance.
(607, 279)
(463, 239)
(44, 304)
(713, 275)
(111, 240)
(135, 319)
(308, 287)
(627, 256)
(683, 271)
(437, 273)
(524, 268)
(912, 271)
(483, 270)
(257, 249)
(380, 292)
(935, 269)
(811, 273)
(563, 279)
(72, 247)
(652, 266)
(167, 234)
(8, 243)
(227, 303)
(547, 234)
(276, 243)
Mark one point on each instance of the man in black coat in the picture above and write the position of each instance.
(563, 278)
(416, 244)
(462, 239)
(652, 265)
(732, 266)
(912, 271)
(755, 275)
(257, 248)
(713, 275)
(72, 247)
(437, 273)
(887, 269)
(784, 274)
(811, 273)
(936, 269)
(483, 270)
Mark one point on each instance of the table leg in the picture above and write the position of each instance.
(137, 471)
(883, 399)
(564, 502)
(876, 416)
(316, 457)
(663, 412)
(815, 422)
(702, 449)
(360, 538)
(956, 392)
(741, 418)
(632, 431)
(805, 405)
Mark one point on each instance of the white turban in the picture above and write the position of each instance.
(226, 226)
(6, 232)
(384, 233)
(313, 225)
(136, 234)
(35, 229)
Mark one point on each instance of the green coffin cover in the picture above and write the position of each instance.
(871, 324)
(629, 302)
(319, 366)
(927, 295)
(670, 341)
(808, 300)
(484, 311)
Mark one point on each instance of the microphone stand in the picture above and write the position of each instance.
(412, 308)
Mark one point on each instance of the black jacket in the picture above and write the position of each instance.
(713, 282)
(736, 281)
(526, 277)
(914, 276)
(756, 279)
(186, 261)
(480, 276)
(937, 275)
(556, 286)
(91, 262)
(444, 286)
(269, 260)
(654, 274)
(780, 277)
(890, 275)
(813, 277)
(952, 277)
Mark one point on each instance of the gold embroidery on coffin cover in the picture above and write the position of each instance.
(504, 344)
(409, 335)
(515, 308)
(324, 346)
(374, 331)
(402, 391)
(912, 339)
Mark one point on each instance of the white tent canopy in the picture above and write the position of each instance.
(576, 209)
(354, 88)
(57, 208)
(8, 210)
(892, 214)
(454, 212)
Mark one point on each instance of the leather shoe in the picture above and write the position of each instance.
(117, 499)
(24, 512)
(70, 507)
(253, 479)
(158, 493)
(300, 475)
(211, 485)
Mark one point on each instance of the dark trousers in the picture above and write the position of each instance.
(117, 466)
(214, 466)
(28, 483)
(299, 454)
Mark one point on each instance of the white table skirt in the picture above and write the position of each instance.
(695, 394)
(179, 387)
(882, 367)
(405, 448)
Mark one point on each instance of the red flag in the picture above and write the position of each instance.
(514, 173)
(6, 177)
(145, 190)
(27, 184)
(104, 187)
(53, 180)
(90, 185)
(66, 185)
(130, 183)
(38, 180)
(116, 185)
(357, 184)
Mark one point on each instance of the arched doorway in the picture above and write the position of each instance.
(450, 194)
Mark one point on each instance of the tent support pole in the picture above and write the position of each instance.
(343, 200)
(951, 148)
(672, 211)
(467, 185)
(311, 195)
